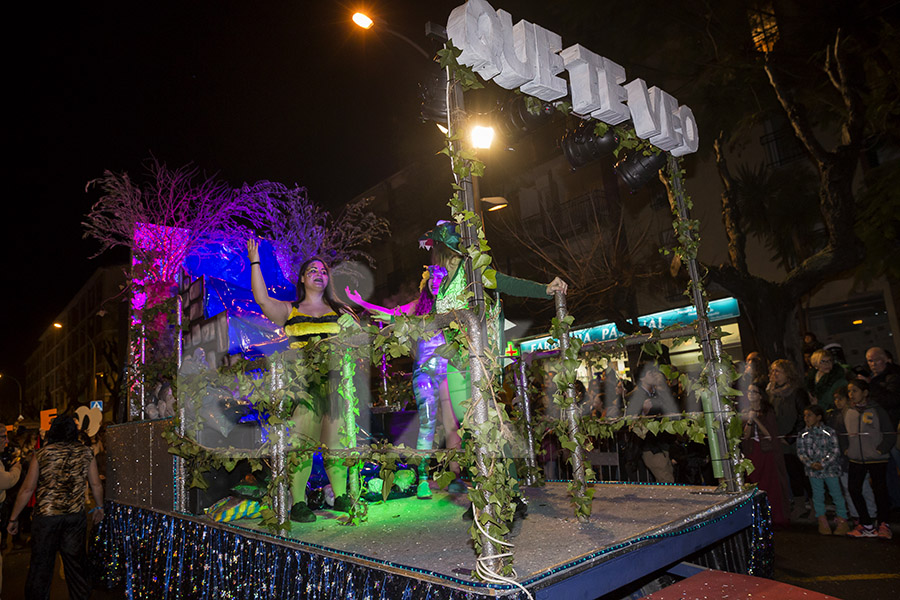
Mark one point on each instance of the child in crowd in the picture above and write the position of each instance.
(871, 438)
(818, 450)
(834, 418)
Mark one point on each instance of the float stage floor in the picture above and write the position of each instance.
(431, 536)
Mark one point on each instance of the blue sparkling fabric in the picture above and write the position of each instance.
(158, 555)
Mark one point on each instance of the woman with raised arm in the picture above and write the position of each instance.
(443, 241)
(314, 314)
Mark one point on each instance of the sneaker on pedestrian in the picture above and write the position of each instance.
(824, 527)
(884, 531)
(863, 531)
(842, 526)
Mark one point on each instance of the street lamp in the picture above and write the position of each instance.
(21, 417)
(495, 203)
(58, 325)
(366, 22)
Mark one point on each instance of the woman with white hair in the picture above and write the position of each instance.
(824, 379)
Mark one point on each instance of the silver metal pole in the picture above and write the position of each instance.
(180, 492)
(569, 414)
(524, 401)
(476, 327)
(716, 424)
(281, 505)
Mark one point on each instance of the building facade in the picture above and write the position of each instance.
(80, 356)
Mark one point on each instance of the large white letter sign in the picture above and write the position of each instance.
(595, 85)
(530, 57)
(612, 110)
(474, 28)
(582, 65)
(654, 114)
(689, 132)
(546, 85)
(517, 59)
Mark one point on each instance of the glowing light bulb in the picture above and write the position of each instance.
(362, 20)
(482, 136)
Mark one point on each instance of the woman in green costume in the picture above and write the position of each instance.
(444, 240)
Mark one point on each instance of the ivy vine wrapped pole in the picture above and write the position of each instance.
(522, 392)
(488, 553)
(568, 365)
(351, 410)
(280, 474)
(461, 164)
(716, 423)
(180, 491)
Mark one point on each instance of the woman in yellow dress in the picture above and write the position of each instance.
(314, 314)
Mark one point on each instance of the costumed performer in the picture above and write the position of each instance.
(429, 371)
(444, 241)
(56, 476)
(314, 314)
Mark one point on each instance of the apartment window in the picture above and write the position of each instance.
(780, 144)
(763, 27)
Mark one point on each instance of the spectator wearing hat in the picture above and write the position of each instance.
(58, 474)
(8, 479)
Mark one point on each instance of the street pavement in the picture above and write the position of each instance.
(846, 568)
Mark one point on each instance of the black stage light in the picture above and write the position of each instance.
(582, 146)
(434, 96)
(515, 119)
(638, 169)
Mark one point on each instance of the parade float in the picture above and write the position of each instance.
(198, 476)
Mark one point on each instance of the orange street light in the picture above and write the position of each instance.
(362, 20)
(367, 22)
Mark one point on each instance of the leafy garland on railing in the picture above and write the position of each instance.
(494, 436)
(687, 233)
(566, 366)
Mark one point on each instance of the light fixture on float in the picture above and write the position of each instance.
(481, 136)
(494, 203)
(582, 146)
(638, 169)
(516, 120)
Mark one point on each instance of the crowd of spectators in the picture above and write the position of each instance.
(822, 438)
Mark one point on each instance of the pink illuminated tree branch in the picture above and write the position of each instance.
(300, 228)
(173, 213)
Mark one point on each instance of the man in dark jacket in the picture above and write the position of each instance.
(651, 398)
(884, 385)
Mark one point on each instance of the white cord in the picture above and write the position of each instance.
(485, 572)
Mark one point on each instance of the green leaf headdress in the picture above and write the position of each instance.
(445, 232)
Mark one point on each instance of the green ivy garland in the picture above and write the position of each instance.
(397, 340)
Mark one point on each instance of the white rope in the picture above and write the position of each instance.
(485, 572)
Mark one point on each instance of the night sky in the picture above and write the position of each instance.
(287, 91)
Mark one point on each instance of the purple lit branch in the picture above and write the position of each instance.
(146, 216)
(300, 229)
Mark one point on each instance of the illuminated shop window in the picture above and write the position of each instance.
(763, 27)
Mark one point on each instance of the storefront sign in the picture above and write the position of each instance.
(529, 57)
(47, 417)
(726, 308)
